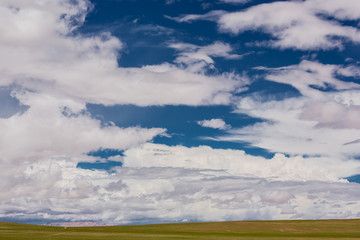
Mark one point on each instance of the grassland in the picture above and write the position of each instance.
(316, 229)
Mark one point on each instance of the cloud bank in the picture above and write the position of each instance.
(183, 184)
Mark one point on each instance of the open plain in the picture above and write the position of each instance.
(284, 230)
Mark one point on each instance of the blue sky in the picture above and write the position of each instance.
(134, 111)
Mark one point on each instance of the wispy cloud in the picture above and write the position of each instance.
(236, 1)
(309, 76)
(319, 122)
(292, 24)
(290, 130)
(210, 16)
(201, 58)
(190, 52)
(297, 24)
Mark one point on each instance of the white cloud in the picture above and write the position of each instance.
(344, 10)
(292, 24)
(216, 123)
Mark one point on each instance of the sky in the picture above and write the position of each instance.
(153, 111)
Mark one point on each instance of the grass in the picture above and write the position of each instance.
(283, 230)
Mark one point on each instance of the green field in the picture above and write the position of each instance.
(314, 229)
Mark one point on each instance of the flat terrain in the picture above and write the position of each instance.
(315, 229)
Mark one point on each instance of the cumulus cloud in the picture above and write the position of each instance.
(300, 25)
(182, 184)
(42, 36)
(216, 123)
(54, 126)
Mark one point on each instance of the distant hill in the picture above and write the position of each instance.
(77, 224)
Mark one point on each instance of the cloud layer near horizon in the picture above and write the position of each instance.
(181, 184)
